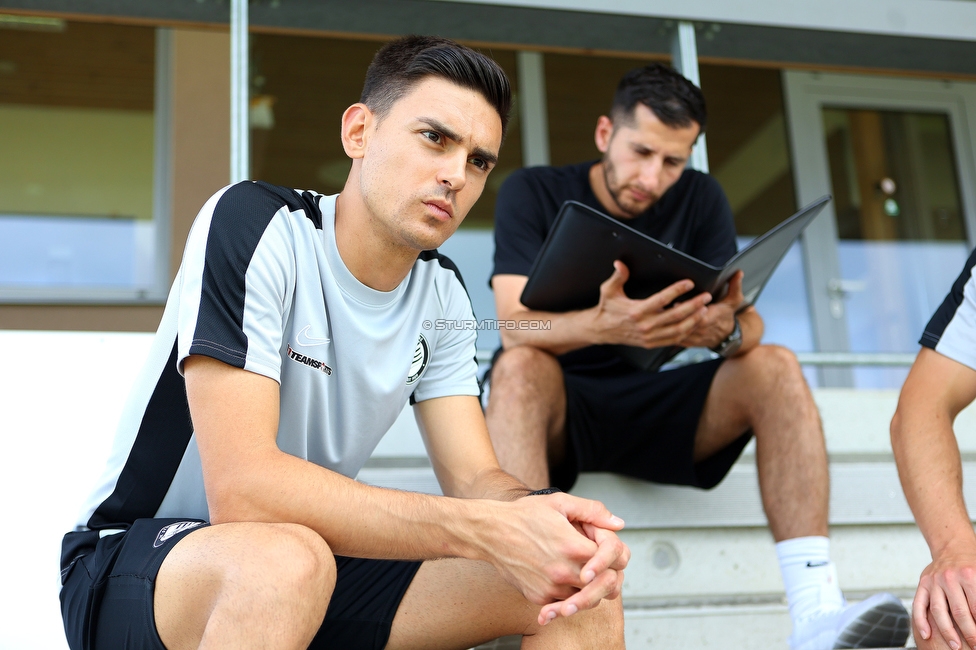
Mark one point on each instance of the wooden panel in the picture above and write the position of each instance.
(97, 318)
(579, 90)
(87, 65)
(740, 102)
(868, 143)
(200, 127)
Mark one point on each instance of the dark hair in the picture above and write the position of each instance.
(676, 101)
(401, 63)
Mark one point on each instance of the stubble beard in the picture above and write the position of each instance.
(421, 232)
(403, 223)
(615, 190)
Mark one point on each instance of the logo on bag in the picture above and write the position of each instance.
(168, 532)
(421, 355)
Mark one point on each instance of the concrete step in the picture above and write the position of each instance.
(759, 626)
(691, 567)
(743, 627)
(855, 422)
(863, 491)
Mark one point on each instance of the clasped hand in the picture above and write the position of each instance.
(655, 321)
(945, 604)
(561, 552)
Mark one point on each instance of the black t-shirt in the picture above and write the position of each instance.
(693, 216)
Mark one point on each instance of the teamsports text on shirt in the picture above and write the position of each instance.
(487, 324)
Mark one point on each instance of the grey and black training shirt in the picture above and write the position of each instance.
(952, 329)
(262, 287)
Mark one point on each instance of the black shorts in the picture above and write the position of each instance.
(108, 583)
(641, 425)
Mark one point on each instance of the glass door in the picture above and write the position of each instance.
(897, 156)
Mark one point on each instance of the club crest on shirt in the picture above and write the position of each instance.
(421, 356)
(168, 532)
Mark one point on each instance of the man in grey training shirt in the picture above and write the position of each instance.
(942, 382)
(292, 337)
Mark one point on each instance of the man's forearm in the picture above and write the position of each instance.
(355, 519)
(936, 390)
(930, 469)
(535, 544)
(752, 327)
(556, 333)
(926, 451)
(497, 485)
(652, 322)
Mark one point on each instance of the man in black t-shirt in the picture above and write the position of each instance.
(562, 402)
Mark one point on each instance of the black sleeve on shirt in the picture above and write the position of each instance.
(943, 315)
(520, 224)
(238, 223)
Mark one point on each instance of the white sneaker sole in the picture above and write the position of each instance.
(883, 623)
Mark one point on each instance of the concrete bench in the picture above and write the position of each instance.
(703, 570)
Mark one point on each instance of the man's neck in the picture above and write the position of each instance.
(368, 255)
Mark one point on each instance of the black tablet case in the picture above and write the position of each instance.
(578, 255)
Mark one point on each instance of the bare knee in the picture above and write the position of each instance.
(244, 578)
(600, 627)
(775, 386)
(303, 560)
(290, 568)
(523, 367)
(773, 368)
(527, 387)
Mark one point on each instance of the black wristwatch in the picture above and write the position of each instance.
(548, 490)
(732, 342)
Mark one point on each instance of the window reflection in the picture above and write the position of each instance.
(893, 175)
(749, 156)
(76, 174)
(747, 147)
(899, 221)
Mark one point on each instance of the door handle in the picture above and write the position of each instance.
(838, 289)
(843, 287)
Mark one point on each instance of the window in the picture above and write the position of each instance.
(79, 220)
(749, 156)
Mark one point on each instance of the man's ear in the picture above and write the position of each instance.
(356, 121)
(604, 131)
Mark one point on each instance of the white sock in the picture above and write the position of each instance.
(809, 576)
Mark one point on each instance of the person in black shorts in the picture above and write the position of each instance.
(561, 401)
(941, 383)
(229, 517)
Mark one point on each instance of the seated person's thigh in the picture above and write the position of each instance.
(643, 425)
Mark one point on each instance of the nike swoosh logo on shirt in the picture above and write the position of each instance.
(307, 341)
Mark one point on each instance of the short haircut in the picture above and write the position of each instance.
(674, 100)
(406, 61)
